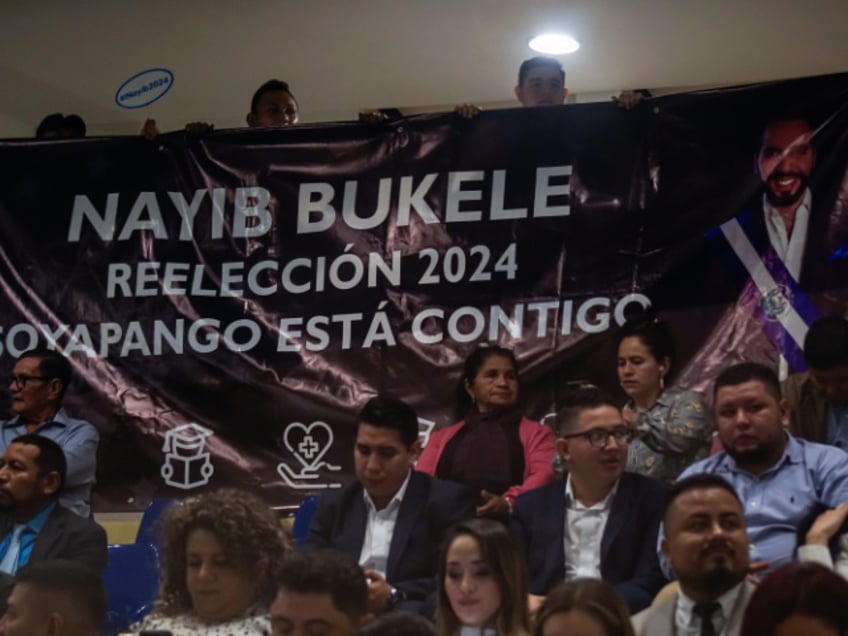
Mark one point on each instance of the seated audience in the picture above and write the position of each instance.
(392, 518)
(38, 384)
(798, 599)
(220, 555)
(823, 538)
(493, 449)
(55, 598)
(671, 427)
(58, 126)
(319, 592)
(583, 606)
(273, 106)
(34, 526)
(778, 478)
(819, 397)
(482, 582)
(603, 522)
(399, 624)
(707, 546)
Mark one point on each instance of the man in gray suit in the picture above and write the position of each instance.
(706, 544)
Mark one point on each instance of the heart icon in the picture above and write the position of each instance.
(308, 443)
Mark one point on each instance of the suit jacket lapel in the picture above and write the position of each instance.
(413, 500)
(660, 619)
(352, 533)
(556, 568)
(734, 621)
(51, 532)
(622, 502)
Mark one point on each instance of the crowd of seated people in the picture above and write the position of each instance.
(399, 545)
(474, 535)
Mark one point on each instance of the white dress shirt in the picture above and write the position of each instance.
(687, 623)
(379, 530)
(790, 249)
(584, 529)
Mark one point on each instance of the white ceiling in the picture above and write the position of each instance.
(343, 55)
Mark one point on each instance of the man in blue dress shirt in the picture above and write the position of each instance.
(779, 478)
(34, 527)
(37, 385)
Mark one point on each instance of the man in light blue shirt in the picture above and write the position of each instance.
(37, 386)
(33, 526)
(779, 478)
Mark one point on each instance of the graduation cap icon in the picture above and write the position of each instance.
(186, 440)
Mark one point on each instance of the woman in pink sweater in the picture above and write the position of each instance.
(493, 449)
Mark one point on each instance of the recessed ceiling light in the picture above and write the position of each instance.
(554, 44)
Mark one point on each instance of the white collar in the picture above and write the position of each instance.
(395, 501)
(604, 504)
(727, 601)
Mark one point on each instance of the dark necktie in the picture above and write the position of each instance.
(705, 611)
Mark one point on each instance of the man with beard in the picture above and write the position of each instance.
(784, 227)
(601, 522)
(784, 163)
(779, 478)
(707, 546)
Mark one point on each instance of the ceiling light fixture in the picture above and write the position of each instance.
(554, 44)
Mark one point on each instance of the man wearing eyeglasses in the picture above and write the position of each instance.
(37, 386)
(602, 522)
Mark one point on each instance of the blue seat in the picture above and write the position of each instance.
(132, 583)
(302, 519)
(148, 529)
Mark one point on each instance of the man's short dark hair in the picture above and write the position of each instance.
(826, 343)
(399, 624)
(387, 412)
(748, 372)
(50, 458)
(536, 62)
(329, 572)
(269, 87)
(700, 481)
(577, 400)
(51, 364)
(82, 586)
(58, 126)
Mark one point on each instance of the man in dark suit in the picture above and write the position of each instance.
(600, 523)
(33, 526)
(393, 518)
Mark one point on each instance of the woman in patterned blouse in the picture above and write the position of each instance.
(672, 427)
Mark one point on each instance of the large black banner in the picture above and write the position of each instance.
(230, 301)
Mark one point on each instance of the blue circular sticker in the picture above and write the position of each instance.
(144, 88)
